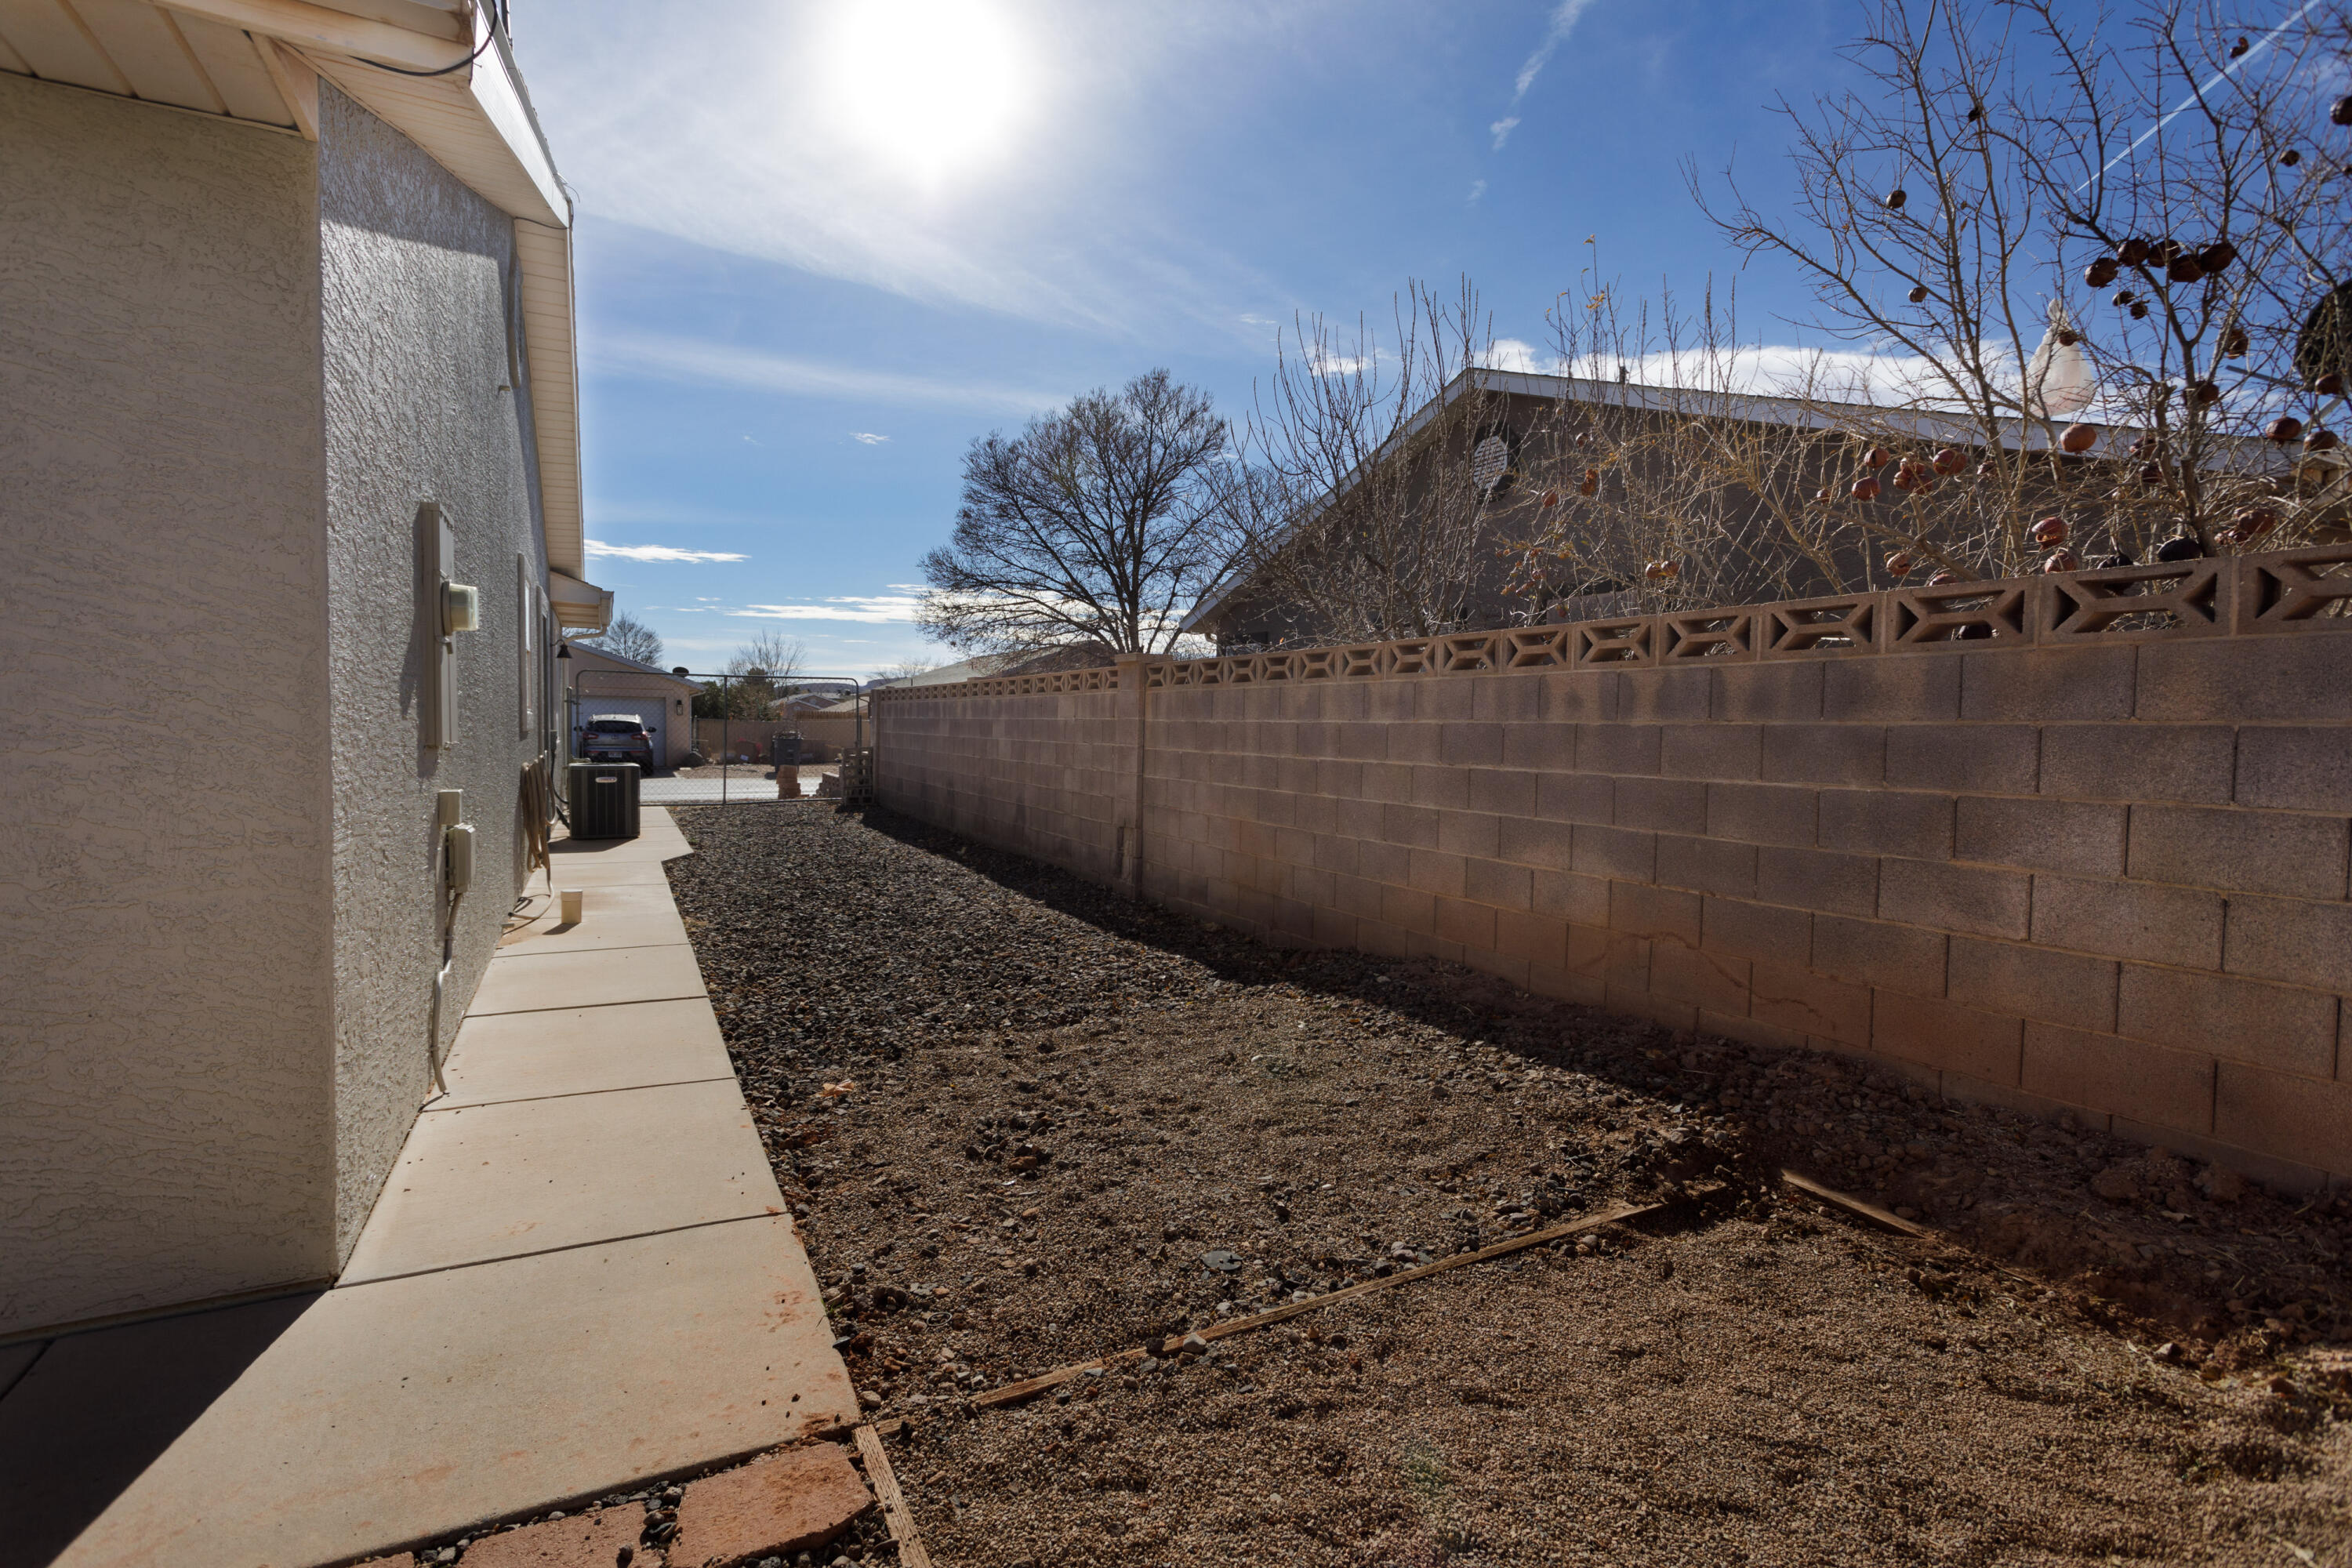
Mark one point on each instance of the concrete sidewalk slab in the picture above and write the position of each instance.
(634, 1045)
(658, 839)
(622, 899)
(549, 1351)
(600, 925)
(374, 1418)
(541, 981)
(583, 871)
(486, 1182)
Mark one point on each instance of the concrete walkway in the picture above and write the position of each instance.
(581, 1276)
(749, 782)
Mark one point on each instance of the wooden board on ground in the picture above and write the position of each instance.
(1011, 1392)
(1852, 1204)
(885, 1482)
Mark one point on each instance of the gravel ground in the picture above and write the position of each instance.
(1025, 1122)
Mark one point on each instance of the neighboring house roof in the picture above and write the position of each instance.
(1033, 661)
(965, 670)
(257, 61)
(1796, 413)
(590, 652)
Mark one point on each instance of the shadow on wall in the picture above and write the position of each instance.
(1229, 955)
(2093, 1214)
(85, 1420)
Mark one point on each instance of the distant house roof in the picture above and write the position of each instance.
(963, 670)
(1033, 661)
(588, 652)
(1793, 413)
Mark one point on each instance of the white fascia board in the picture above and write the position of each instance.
(551, 348)
(502, 163)
(325, 27)
(500, 100)
(579, 606)
(477, 123)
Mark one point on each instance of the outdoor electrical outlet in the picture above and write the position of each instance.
(452, 808)
(460, 841)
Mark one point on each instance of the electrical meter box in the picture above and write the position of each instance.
(603, 799)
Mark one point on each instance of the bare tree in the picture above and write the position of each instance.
(1373, 469)
(2085, 297)
(1090, 526)
(768, 656)
(1940, 222)
(629, 637)
(1664, 481)
(763, 668)
(2225, 223)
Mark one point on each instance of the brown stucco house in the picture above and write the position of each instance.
(1492, 430)
(287, 363)
(597, 681)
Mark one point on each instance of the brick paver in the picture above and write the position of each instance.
(606, 1539)
(801, 1497)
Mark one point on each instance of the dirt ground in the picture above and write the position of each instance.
(1025, 1122)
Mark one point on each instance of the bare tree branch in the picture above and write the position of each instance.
(1091, 526)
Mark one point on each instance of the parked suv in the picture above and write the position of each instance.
(616, 738)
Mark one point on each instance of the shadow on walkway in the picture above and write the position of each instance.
(95, 1410)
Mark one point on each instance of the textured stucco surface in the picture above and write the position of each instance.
(164, 925)
(416, 287)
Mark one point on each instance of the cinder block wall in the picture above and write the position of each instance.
(1041, 775)
(2103, 876)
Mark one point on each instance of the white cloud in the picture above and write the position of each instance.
(1502, 130)
(700, 362)
(1478, 189)
(868, 437)
(1564, 19)
(873, 609)
(597, 548)
(1514, 354)
(1826, 375)
(1858, 376)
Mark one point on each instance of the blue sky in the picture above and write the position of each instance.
(822, 248)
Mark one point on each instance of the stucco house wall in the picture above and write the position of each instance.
(164, 889)
(233, 366)
(422, 404)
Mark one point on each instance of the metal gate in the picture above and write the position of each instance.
(746, 737)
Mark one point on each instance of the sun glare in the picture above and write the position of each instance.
(933, 87)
